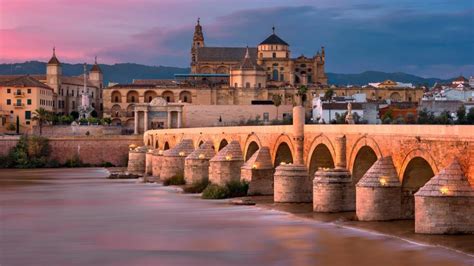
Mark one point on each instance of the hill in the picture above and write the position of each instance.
(126, 72)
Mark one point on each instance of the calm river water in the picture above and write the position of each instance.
(77, 217)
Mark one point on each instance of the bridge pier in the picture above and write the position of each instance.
(258, 171)
(136, 161)
(225, 166)
(149, 166)
(156, 164)
(196, 166)
(332, 188)
(172, 164)
(291, 181)
(378, 193)
(445, 204)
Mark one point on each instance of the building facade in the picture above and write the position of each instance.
(273, 56)
(20, 97)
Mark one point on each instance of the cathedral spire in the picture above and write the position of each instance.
(247, 55)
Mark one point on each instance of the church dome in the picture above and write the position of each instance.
(274, 39)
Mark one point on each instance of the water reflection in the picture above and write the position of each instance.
(77, 217)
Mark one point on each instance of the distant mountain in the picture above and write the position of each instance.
(120, 73)
(126, 72)
(377, 76)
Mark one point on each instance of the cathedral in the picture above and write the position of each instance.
(269, 64)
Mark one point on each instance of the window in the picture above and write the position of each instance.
(235, 84)
(116, 99)
(18, 92)
(287, 55)
(168, 98)
(27, 122)
(18, 102)
(247, 84)
(282, 77)
(185, 98)
(73, 105)
(274, 55)
(259, 85)
(150, 98)
(28, 101)
(27, 114)
(261, 55)
(133, 99)
(275, 75)
(72, 92)
(29, 91)
(265, 117)
(9, 102)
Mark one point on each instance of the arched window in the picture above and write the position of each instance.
(275, 74)
(116, 99)
(132, 99)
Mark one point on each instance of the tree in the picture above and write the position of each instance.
(328, 94)
(470, 116)
(444, 118)
(42, 116)
(277, 99)
(425, 117)
(75, 114)
(461, 115)
(301, 94)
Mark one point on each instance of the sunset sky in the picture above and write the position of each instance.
(428, 38)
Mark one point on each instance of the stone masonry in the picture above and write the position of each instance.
(445, 204)
(258, 171)
(172, 164)
(378, 193)
(196, 166)
(225, 166)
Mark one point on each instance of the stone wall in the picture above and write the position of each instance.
(61, 131)
(92, 150)
(208, 115)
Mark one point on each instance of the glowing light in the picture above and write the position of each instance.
(254, 166)
(201, 156)
(282, 163)
(383, 180)
(160, 152)
(150, 150)
(132, 146)
(182, 153)
(444, 190)
(228, 157)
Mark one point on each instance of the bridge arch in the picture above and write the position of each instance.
(364, 159)
(359, 144)
(222, 143)
(418, 168)
(321, 154)
(252, 144)
(282, 150)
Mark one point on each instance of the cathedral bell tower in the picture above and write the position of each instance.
(54, 72)
(198, 41)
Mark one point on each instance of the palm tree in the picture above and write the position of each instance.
(277, 99)
(41, 115)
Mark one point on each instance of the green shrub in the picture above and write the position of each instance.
(237, 188)
(53, 164)
(75, 161)
(232, 189)
(107, 164)
(214, 191)
(174, 181)
(196, 186)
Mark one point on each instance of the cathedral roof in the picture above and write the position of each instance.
(248, 63)
(54, 60)
(225, 54)
(274, 39)
(96, 67)
(24, 81)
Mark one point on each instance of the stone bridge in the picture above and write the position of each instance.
(417, 153)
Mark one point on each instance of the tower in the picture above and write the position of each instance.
(54, 72)
(198, 41)
(96, 76)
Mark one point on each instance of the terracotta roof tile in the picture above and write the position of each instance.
(24, 81)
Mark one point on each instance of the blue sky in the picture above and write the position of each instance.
(427, 38)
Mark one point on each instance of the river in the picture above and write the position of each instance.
(78, 217)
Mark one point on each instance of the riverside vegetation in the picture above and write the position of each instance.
(34, 151)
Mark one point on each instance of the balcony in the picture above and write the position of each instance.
(19, 105)
(19, 94)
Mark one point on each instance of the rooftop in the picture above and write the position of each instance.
(24, 81)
